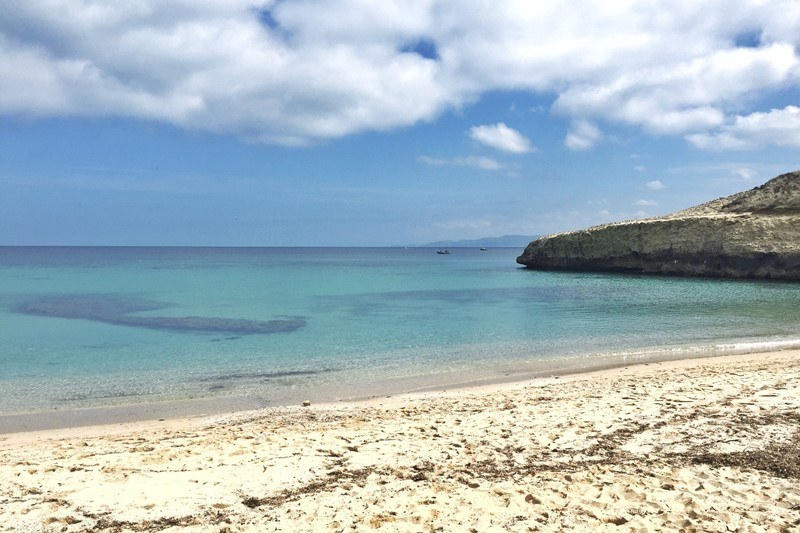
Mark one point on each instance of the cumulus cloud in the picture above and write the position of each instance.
(644, 202)
(582, 136)
(501, 137)
(484, 163)
(779, 127)
(655, 185)
(687, 95)
(300, 71)
(213, 66)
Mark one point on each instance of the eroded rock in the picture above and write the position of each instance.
(752, 234)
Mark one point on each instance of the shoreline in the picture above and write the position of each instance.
(709, 443)
(501, 377)
(205, 411)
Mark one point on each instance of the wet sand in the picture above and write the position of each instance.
(707, 444)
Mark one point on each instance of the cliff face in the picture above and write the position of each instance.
(752, 234)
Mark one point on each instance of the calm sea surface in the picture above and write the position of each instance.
(87, 327)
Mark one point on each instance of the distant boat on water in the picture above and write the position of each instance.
(442, 252)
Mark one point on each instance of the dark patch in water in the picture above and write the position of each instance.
(216, 387)
(267, 375)
(422, 302)
(111, 395)
(116, 310)
(109, 346)
(233, 337)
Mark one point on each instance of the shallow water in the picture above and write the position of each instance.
(83, 327)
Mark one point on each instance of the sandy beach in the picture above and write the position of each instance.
(700, 445)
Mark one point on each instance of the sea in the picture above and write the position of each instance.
(92, 328)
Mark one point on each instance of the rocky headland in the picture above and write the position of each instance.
(753, 234)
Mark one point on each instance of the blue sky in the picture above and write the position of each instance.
(360, 123)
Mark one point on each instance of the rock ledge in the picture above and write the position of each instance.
(753, 234)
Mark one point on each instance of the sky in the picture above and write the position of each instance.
(380, 122)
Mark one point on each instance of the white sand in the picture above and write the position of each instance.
(708, 444)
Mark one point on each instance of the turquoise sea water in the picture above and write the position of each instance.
(83, 327)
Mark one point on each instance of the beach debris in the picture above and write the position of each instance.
(616, 463)
(533, 500)
(306, 403)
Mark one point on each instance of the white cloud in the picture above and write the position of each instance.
(644, 202)
(779, 127)
(501, 137)
(640, 168)
(746, 174)
(320, 69)
(655, 185)
(687, 94)
(211, 66)
(485, 163)
(582, 136)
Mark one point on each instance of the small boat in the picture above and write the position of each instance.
(442, 252)
(483, 249)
